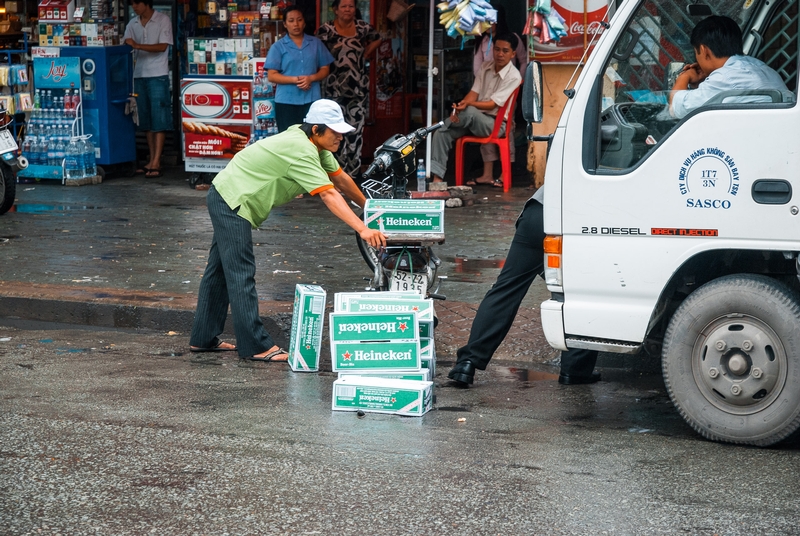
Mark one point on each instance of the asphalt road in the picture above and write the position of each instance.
(118, 432)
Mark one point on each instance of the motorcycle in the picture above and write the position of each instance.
(11, 161)
(407, 262)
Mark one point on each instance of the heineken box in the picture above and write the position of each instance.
(381, 395)
(428, 355)
(307, 321)
(375, 356)
(423, 375)
(376, 303)
(405, 216)
(340, 298)
(373, 327)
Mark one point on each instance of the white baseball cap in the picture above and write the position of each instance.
(327, 112)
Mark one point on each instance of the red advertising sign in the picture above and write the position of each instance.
(217, 100)
(202, 140)
(580, 27)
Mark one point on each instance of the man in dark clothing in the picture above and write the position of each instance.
(499, 307)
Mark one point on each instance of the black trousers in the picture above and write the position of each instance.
(499, 307)
(287, 115)
(229, 278)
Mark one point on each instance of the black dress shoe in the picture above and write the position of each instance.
(567, 379)
(463, 372)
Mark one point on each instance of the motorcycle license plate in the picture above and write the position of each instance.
(7, 142)
(406, 281)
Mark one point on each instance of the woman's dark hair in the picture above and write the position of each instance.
(509, 38)
(335, 4)
(720, 34)
(291, 8)
(148, 3)
(308, 129)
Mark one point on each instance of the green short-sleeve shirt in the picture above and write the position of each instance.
(272, 172)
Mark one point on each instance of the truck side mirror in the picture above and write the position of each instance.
(532, 106)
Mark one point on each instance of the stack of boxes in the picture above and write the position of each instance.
(382, 347)
(220, 56)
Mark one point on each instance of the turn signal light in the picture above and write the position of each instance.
(552, 260)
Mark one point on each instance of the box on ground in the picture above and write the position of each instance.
(378, 303)
(373, 327)
(381, 395)
(423, 375)
(394, 356)
(307, 325)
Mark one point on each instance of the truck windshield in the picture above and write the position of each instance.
(652, 51)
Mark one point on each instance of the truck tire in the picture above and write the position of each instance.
(731, 360)
(8, 188)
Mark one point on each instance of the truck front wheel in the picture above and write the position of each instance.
(731, 360)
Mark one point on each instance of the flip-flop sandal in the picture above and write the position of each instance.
(497, 183)
(221, 346)
(271, 356)
(471, 183)
(153, 174)
(143, 170)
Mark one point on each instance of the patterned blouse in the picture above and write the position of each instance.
(348, 77)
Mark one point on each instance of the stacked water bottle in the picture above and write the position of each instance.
(51, 140)
(264, 99)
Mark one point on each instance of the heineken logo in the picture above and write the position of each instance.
(395, 221)
(374, 398)
(372, 327)
(376, 355)
(386, 307)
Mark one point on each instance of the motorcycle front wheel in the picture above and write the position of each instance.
(8, 188)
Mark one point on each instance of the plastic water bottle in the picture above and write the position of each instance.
(73, 161)
(421, 182)
(37, 100)
(26, 148)
(91, 164)
(60, 151)
(48, 99)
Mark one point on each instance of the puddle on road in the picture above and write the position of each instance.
(32, 208)
(464, 265)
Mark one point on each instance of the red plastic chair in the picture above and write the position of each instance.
(502, 142)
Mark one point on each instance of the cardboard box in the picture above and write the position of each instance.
(377, 302)
(340, 298)
(307, 326)
(397, 356)
(414, 216)
(423, 375)
(373, 327)
(381, 395)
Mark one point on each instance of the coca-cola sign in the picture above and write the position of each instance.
(582, 27)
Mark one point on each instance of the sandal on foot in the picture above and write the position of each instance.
(143, 170)
(153, 173)
(271, 356)
(471, 183)
(220, 347)
(497, 183)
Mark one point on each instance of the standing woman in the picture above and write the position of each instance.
(296, 64)
(350, 41)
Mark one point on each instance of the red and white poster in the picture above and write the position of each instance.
(579, 28)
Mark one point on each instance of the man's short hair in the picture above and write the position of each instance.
(509, 38)
(308, 129)
(720, 34)
(148, 3)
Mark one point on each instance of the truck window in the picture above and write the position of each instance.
(639, 74)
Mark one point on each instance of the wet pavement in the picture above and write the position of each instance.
(105, 430)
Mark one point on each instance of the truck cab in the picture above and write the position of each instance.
(682, 234)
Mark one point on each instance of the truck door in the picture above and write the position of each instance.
(644, 192)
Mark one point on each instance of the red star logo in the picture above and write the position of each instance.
(347, 356)
(380, 221)
(308, 347)
(394, 400)
(402, 327)
(415, 308)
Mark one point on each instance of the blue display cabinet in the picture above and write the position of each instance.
(106, 84)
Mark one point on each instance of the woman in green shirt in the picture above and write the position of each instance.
(269, 173)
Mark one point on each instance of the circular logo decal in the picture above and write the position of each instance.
(708, 178)
(205, 100)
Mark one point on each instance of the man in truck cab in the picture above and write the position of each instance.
(721, 66)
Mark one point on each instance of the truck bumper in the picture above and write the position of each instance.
(553, 323)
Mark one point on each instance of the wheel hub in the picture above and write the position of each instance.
(739, 363)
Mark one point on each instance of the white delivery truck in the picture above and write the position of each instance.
(682, 234)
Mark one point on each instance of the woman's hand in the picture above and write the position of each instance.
(304, 82)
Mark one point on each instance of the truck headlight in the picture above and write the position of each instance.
(552, 260)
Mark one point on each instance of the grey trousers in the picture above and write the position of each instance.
(230, 278)
(470, 122)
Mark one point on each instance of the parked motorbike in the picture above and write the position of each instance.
(407, 262)
(11, 161)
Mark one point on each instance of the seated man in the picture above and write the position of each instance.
(476, 113)
(721, 66)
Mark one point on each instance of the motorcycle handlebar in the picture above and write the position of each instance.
(423, 132)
